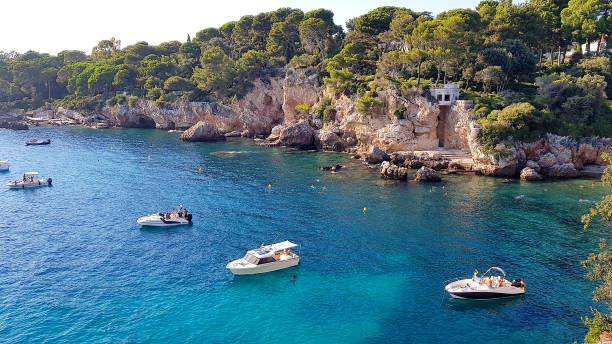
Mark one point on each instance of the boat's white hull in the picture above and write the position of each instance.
(249, 269)
(23, 185)
(156, 220)
(462, 290)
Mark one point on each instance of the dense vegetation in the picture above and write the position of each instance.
(510, 59)
(600, 264)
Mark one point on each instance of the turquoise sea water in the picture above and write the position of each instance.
(75, 267)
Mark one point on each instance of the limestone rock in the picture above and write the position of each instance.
(376, 155)
(300, 135)
(426, 174)
(529, 174)
(392, 171)
(561, 171)
(325, 140)
(533, 165)
(202, 131)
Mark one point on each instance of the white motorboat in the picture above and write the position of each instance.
(29, 180)
(177, 217)
(4, 166)
(265, 259)
(487, 287)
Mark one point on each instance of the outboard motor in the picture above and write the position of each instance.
(49, 181)
(189, 216)
(517, 283)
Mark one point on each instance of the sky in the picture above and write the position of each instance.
(53, 26)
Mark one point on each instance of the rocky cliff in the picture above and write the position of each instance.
(269, 110)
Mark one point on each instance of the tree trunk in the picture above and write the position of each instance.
(559, 55)
(599, 43)
(438, 78)
(540, 58)
(551, 56)
(587, 47)
(419, 74)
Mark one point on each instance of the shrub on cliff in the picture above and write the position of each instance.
(370, 106)
(516, 122)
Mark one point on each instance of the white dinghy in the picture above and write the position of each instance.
(29, 180)
(177, 217)
(487, 287)
(4, 166)
(265, 259)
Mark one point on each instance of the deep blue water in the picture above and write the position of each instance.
(75, 267)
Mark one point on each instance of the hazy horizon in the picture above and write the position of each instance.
(68, 25)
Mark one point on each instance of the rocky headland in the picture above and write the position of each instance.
(426, 135)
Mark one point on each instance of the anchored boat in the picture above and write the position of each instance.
(4, 166)
(177, 217)
(486, 287)
(35, 142)
(265, 259)
(29, 180)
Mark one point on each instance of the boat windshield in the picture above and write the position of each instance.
(251, 259)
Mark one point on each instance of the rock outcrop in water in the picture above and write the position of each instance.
(202, 131)
(389, 170)
(426, 174)
(14, 125)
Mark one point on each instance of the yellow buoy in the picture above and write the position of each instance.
(148, 157)
(200, 169)
(365, 209)
(89, 140)
(111, 147)
(269, 186)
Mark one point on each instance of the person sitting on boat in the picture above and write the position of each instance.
(24, 178)
(167, 216)
(185, 213)
(500, 282)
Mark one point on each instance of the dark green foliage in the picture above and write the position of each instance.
(370, 106)
(399, 112)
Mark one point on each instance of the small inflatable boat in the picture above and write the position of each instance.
(35, 142)
(485, 288)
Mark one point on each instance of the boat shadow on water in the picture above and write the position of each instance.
(462, 305)
(272, 279)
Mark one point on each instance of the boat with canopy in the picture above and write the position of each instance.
(4, 166)
(486, 287)
(29, 180)
(266, 258)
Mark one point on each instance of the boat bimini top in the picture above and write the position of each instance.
(270, 250)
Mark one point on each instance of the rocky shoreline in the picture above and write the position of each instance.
(410, 140)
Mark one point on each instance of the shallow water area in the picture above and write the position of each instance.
(76, 267)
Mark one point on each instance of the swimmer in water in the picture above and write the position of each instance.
(446, 193)
(293, 278)
(580, 200)
(312, 186)
(324, 187)
(519, 196)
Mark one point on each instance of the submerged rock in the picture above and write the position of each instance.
(376, 156)
(426, 174)
(391, 171)
(530, 174)
(332, 168)
(202, 131)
